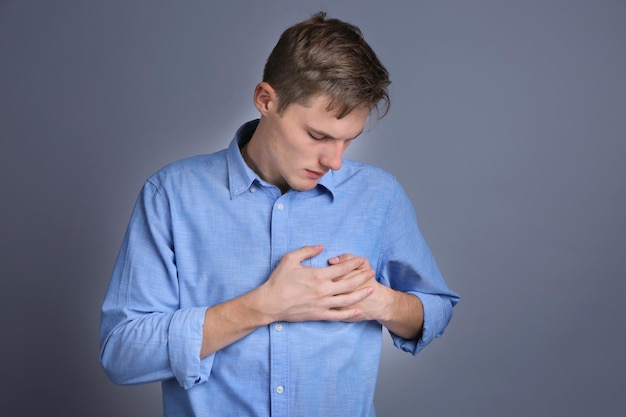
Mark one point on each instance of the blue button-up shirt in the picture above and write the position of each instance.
(207, 229)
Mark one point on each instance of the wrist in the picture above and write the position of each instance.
(258, 304)
(389, 300)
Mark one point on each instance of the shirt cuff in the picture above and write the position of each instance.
(437, 315)
(185, 342)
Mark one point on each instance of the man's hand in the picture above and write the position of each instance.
(293, 293)
(297, 293)
(374, 307)
(401, 313)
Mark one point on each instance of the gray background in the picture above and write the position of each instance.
(507, 130)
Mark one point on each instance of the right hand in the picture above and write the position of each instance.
(295, 293)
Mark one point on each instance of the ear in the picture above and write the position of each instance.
(265, 99)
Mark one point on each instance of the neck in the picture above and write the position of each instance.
(250, 151)
(246, 157)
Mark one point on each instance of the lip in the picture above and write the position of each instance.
(314, 174)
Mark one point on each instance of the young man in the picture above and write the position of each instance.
(255, 281)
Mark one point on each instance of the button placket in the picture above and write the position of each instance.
(278, 332)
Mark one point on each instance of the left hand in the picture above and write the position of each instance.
(374, 307)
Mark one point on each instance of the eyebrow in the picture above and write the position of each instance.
(327, 136)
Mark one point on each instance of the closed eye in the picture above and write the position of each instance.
(317, 138)
(320, 136)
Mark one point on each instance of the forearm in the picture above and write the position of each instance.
(142, 348)
(232, 320)
(403, 315)
(293, 293)
(157, 346)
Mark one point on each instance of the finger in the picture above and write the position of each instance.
(339, 270)
(346, 300)
(348, 257)
(303, 253)
(352, 281)
(347, 315)
(352, 273)
(341, 258)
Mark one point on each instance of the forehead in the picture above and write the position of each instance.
(314, 115)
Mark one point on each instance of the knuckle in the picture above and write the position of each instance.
(318, 278)
(321, 291)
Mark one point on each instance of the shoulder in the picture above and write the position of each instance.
(363, 182)
(191, 171)
(191, 164)
(358, 174)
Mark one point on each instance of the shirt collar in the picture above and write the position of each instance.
(241, 177)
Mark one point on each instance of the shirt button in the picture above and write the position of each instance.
(280, 389)
(252, 189)
(280, 206)
(278, 327)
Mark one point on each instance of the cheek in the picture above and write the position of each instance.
(286, 154)
(295, 150)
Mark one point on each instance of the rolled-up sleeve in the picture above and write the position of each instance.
(185, 341)
(437, 315)
(144, 334)
(407, 264)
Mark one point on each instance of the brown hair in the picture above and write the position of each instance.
(327, 56)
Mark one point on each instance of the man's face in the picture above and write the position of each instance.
(302, 144)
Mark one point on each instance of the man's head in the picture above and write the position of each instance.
(329, 57)
(321, 82)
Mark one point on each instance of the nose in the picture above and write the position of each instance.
(332, 157)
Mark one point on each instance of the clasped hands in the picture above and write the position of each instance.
(345, 290)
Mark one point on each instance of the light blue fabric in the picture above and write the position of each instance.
(207, 229)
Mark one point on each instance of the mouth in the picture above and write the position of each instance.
(316, 175)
